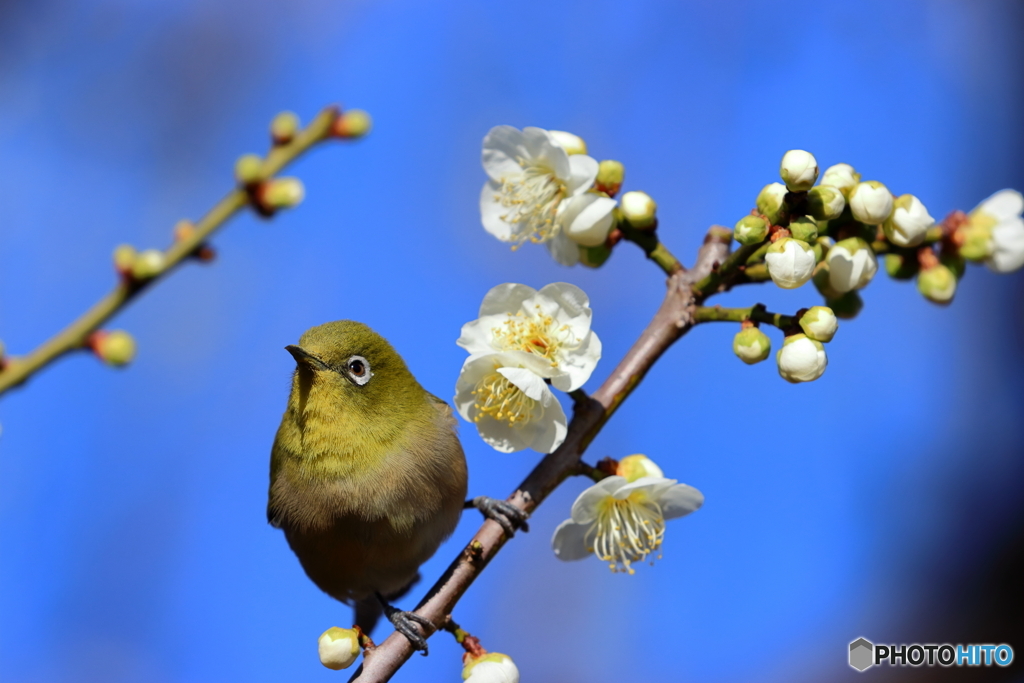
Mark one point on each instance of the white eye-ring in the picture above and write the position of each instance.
(358, 368)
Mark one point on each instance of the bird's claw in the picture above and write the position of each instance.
(405, 623)
(503, 512)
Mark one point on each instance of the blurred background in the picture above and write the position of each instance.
(881, 501)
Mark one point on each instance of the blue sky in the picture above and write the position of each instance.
(133, 542)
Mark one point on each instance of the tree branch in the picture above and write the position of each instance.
(673, 319)
(16, 370)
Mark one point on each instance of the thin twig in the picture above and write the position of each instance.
(17, 369)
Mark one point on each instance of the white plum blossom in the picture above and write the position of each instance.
(621, 519)
(799, 170)
(338, 647)
(492, 667)
(533, 185)
(842, 177)
(553, 325)
(790, 262)
(851, 265)
(570, 142)
(871, 202)
(909, 222)
(801, 359)
(506, 397)
(1000, 214)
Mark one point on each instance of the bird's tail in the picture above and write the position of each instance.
(368, 610)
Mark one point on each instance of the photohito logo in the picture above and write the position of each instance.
(864, 654)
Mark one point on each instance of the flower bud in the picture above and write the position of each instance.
(284, 127)
(1001, 215)
(750, 230)
(819, 323)
(588, 219)
(955, 263)
(900, 266)
(352, 124)
(751, 345)
(790, 262)
(801, 359)
(842, 177)
(115, 348)
(610, 174)
(594, 257)
(821, 279)
(639, 209)
(492, 667)
(799, 170)
(124, 258)
(871, 202)
(282, 193)
(572, 144)
(248, 169)
(804, 229)
(937, 284)
(851, 265)
(846, 306)
(825, 202)
(771, 202)
(909, 222)
(632, 467)
(339, 647)
(148, 264)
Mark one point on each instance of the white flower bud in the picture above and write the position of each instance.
(750, 230)
(492, 667)
(751, 345)
(572, 144)
(610, 174)
(339, 647)
(842, 177)
(799, 170)
(996, 231)
(588, 219)
(937, 284)
(801, 359)
(771, 201)
(790, 262)
(825, 202)
(632, 467)
(819, 323)
(909, 222)
(871, 202)
(851, 265)
(639, 209)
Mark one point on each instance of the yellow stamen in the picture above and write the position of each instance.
(626, 531)
(532, 200)
(538, 334)
(501, 400)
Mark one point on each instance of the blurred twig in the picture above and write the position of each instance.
(17, 369)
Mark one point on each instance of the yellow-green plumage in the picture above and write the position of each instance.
(366, 480)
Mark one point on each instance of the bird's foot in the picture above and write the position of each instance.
(405, 623)
(503, 512)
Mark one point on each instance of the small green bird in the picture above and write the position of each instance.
(367, 475)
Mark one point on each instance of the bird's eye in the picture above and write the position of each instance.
(359, 370)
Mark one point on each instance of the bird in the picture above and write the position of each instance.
(367, 474)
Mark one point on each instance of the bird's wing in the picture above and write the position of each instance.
(445, 409)
(272, 517)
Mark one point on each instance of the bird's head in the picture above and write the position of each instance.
(346, 365)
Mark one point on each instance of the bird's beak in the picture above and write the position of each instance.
(305, 357)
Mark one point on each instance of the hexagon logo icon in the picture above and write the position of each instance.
(862, 654)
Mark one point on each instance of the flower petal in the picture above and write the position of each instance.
(680, 500)
(584, 510)
(588, 219)
(1008, 246)
(527, 381)
(505, 298)
(503, 147)
(653, 485)
(541, 148)
(582, 174)
(563, 249)
(569, 541)
(491, 212)
(1004, 205)
(577, 367)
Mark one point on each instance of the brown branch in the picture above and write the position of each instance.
(673, 319)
